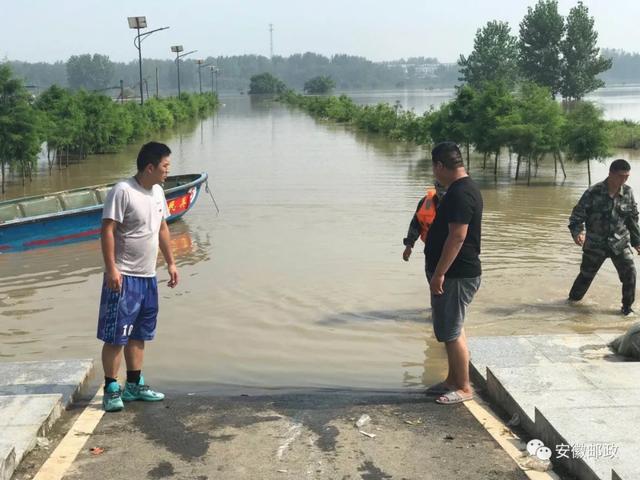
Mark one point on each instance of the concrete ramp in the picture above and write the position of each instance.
(572, 393)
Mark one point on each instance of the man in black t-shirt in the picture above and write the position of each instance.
(453, 268)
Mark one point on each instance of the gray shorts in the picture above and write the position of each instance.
(449, 309)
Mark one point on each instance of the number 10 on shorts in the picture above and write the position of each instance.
(126, 330)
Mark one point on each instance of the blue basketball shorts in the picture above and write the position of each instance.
(130, 313)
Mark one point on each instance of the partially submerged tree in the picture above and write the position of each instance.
(534, 127)
(492, 105)
(585, 135)
(19, 126)
(62, 122)
(454, 121)
(319, 85)
(266, 83)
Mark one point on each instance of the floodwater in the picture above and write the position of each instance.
(299, 281)
(619, 102)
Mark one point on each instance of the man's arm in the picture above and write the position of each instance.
(578, 217)
(412, 235)
(452, 245)
(165, 248)
(632, 224)
(108, 242)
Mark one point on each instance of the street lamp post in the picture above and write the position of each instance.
(214, 71)
(137, 23)
(201, 65)
(177, 49)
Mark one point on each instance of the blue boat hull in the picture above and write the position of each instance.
(84, 223)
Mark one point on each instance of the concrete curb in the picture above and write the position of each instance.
(33, 396)
(567, 391)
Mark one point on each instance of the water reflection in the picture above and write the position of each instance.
(31, 272)
(402, 315)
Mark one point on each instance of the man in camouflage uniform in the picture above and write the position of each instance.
(610, 213)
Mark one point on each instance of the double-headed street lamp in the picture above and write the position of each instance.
(201, 65)
(138, 23)
(214, 70)
(177, 49)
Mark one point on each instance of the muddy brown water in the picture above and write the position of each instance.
(299, 280)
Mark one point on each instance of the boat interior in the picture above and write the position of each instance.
(69, 200)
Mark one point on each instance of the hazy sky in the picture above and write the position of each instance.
(38, 30)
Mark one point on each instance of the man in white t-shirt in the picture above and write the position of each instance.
(133, 227)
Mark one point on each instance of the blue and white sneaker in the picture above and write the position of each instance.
(112, 398)
(142, 392)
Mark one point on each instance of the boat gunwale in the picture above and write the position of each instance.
(200, 179)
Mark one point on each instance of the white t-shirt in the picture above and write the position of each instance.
(139, 213)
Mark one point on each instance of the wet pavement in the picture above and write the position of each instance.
(310, 434)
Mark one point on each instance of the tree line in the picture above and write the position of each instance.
(526, 122)
(97, 71)
(508, 101)
(77, 123)
(558, 53)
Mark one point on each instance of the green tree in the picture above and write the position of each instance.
(91, 72)
(491, 105)
(107, 127)
(19, 126)
(494, 56)
(266, 83)
(62, 122)
(582, 61)
(585, 134)
(454, 121)
(319, 85)
(534, 126)
(541, 33)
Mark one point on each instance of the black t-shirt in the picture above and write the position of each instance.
(461, 204)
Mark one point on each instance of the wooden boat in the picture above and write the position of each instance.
(75, 215)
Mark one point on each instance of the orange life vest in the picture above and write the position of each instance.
(427, 212)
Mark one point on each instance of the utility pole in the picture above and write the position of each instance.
(271, 41)
(200, 64)
(157, 88)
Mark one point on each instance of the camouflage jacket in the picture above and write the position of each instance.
(610, 222)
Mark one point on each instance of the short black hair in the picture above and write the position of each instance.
(152, 153)
(619, 165)
(447, 153)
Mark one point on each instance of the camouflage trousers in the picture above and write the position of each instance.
(592, 260)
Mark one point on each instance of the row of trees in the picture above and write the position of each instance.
(526, 122)
(79, 122)
(557, 53)
(94, 72)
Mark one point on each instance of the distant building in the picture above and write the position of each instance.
(422, 71)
